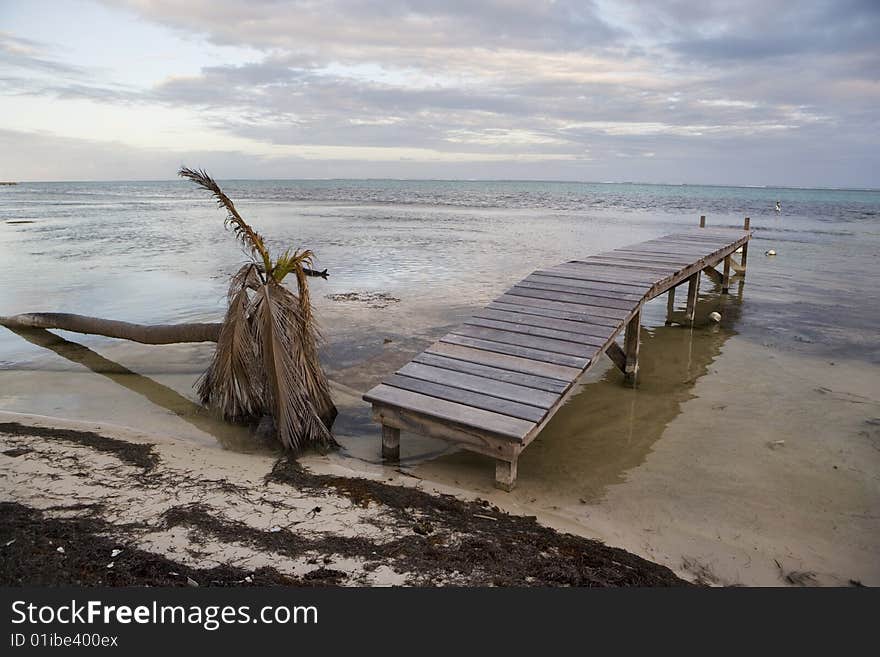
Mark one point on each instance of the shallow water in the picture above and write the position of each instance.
(688, 468)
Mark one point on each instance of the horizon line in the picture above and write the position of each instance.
(456, 180)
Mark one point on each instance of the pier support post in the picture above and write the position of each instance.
(670, 306)
(725, 279)
(745, 248)
(505, 474)
(693, 289)
(631, 348)
(702, 221)
(390, 443)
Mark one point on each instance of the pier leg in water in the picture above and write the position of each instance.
(505, 474)
(745, 248)
(670, 306)
(631, 349)
(390, 443)
(693, 289)
(725, 281)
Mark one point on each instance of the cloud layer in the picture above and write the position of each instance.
(674, 91)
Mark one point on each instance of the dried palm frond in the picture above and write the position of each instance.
(275, 321)
(248, 237)
(267, 352)
(232, 383)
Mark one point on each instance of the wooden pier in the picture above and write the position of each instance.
(493, 383)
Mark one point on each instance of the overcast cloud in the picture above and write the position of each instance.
(700, 92)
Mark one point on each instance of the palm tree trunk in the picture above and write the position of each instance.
(144, 333)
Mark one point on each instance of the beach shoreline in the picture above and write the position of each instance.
(183, 515)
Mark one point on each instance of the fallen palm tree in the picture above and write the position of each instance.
(266, 360)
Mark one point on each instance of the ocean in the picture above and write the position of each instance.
(756, 436)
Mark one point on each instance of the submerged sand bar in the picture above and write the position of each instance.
(493, 383)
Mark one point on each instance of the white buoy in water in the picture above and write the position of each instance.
(739, 250)
(771, 252)
(715, 317)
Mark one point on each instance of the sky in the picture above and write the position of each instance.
(755, 92)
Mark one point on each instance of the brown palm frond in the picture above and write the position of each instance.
(306, 352)
(248, 277)
(232, 384)
(249, 238)
(275, 320)
(266, 360)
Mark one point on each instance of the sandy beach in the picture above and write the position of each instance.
(107, 505)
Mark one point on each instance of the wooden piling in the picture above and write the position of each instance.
(670, 305)
(631, 348)
(390, 443)
(725, 280)
(702, 221)
(745, 247)
(693, 289)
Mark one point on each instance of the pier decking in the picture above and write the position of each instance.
(493, 383)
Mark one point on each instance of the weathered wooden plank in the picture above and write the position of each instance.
(550, 309)
(658, 258)
(619, 275)
(457, 414)
(593, 307)
(579, 274)
(540, 331)
(470, 438)
(510, 362)
(466, 398)
(496, 373)
(579, 328)
(622, 272)
(707, 240)
(523, 340)
(606, 301)
(480, 384)
(595, 288)
(514, 350)
(629, 265)
(634, 272)
(694, 241)
(684, 254)
(674, 250)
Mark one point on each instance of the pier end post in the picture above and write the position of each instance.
(702, 221)
(745, 247)
(390, 443)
